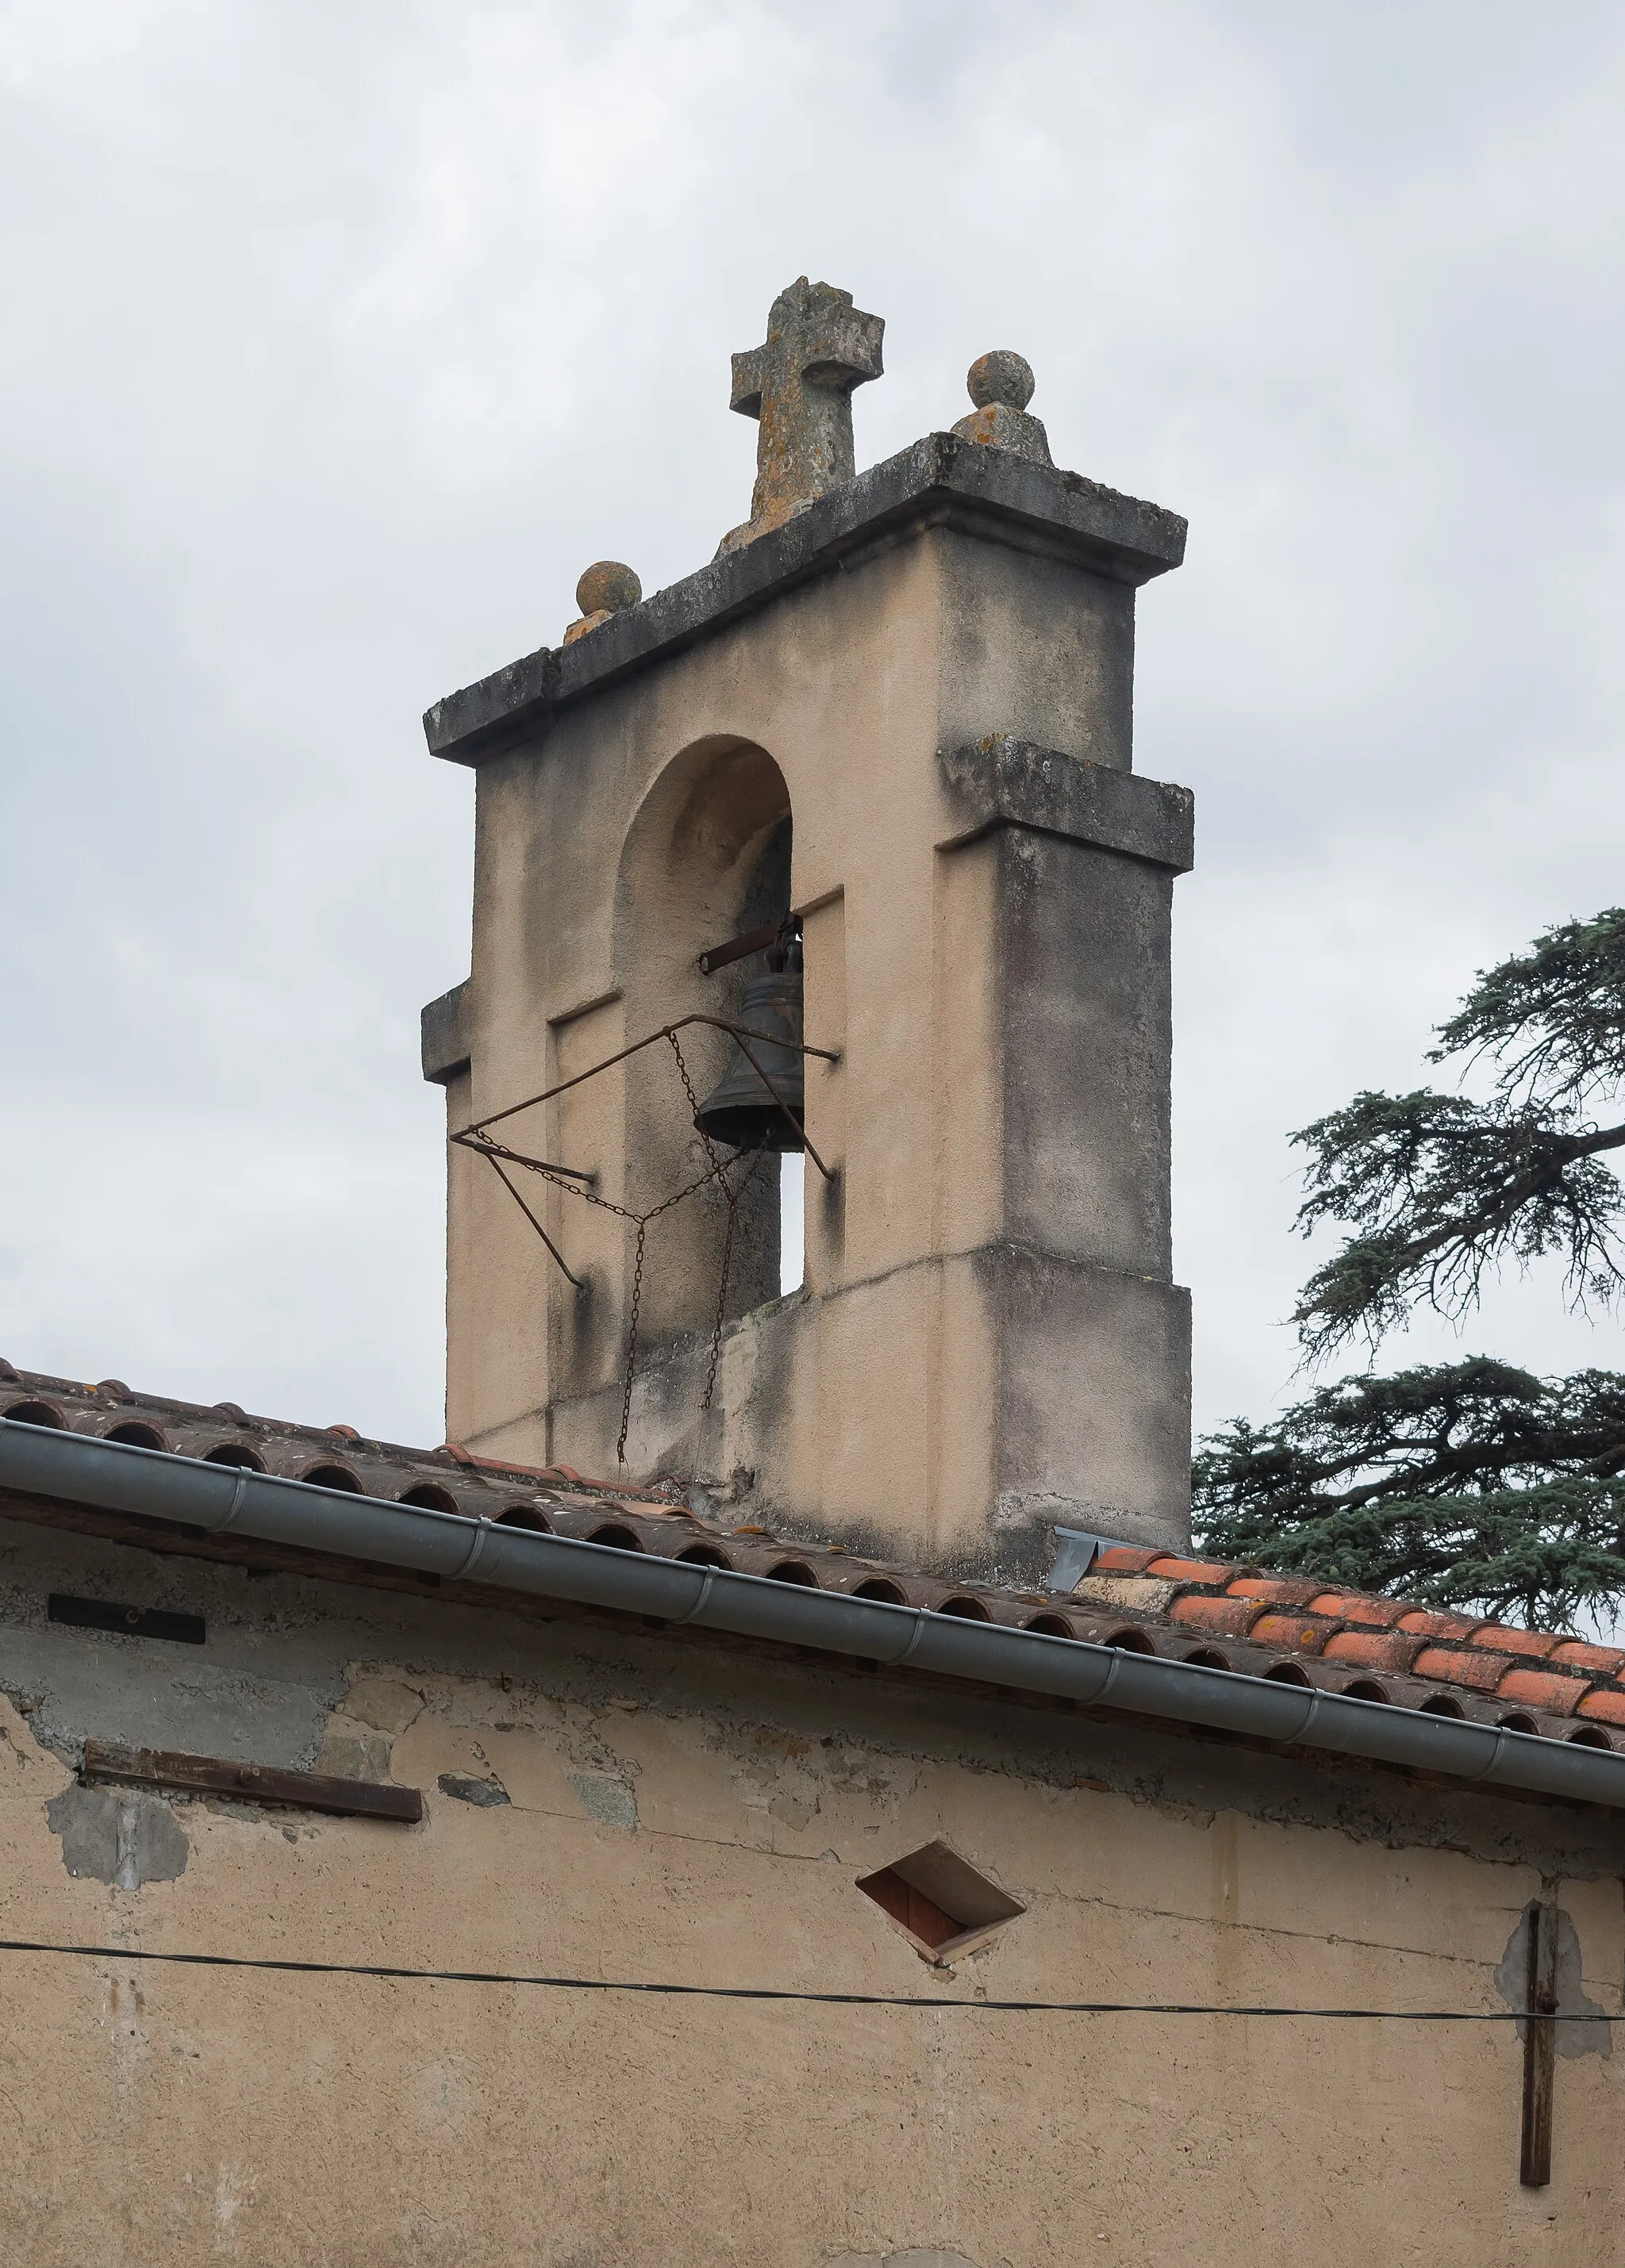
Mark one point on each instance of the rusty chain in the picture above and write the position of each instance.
(573, 1185)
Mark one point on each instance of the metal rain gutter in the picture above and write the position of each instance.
(221, 1499)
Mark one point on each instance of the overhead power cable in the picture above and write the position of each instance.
(789, 1992)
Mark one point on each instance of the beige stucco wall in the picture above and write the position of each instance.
(697, 1815)
(972, 1135)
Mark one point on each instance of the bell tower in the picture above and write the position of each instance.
(886, 732)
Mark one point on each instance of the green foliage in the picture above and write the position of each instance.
(1472, 1485)
(1437, 1188)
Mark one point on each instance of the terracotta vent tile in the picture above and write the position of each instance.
(1275, 1590)
(1600, 1702)
(1125, 1559)
(1605, 1660)
(1452, 1629)
(1353, 1606)
(1190, 1571)
(1293, 1632)
(1534, 1646)
(1454, 1664)
(1374, 1649)
(1230, 1618)
(1539, 1689)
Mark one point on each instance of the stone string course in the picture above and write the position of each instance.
(1242, 1619)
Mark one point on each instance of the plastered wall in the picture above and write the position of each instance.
(655, 1811)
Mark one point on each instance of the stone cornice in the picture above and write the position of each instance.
(941, 480)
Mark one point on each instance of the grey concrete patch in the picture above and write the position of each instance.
(609, 1802)
(467, 1789)
(1512, 1983)
(1145, 1595)
(349, 1754)
(261, 1686)
(383, 1702)
(112, 1834)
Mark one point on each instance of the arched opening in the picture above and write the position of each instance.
(889, 1594)
(1207, 1657)
(1289, 1672)
(235, 1452)
(36, 1413)
(1588, 1736)
(1131, 1641)
(705, 1555)
(524, 1515)
(967, 1610)
(707, 860)
(135, 1435)
(332, 1477)
(616, 1537)
(429, 1497)
(1049, 1625)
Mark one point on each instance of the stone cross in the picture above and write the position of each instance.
(799, 385)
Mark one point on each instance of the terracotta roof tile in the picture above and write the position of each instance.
(1601, 1660)
(1423, 1623)
(1292, 1634)
(1125, 1559)
(1227, 1617)
(1452, 1664)
(1534, 1646)
(1355, 1607)
(1601, 1702)
(1190, 1571)
(1540, 1689)
(1374, 1649)
(1277, 1590)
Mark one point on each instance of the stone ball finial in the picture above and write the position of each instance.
(1001, 376)
(1001, 386)
(607, 587)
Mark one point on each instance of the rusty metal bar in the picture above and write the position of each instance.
(1540, 2048)
(753, 941)
(362, 1798)
(481, 1150)
(472, 1138)
(744, 1048)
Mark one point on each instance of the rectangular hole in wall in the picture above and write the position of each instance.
(940, 1899)
(129, 1622)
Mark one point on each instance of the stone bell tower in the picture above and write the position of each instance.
(894, 712)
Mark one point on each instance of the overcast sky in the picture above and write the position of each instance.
(340, 336)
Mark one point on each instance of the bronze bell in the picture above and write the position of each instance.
(740, 1110)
